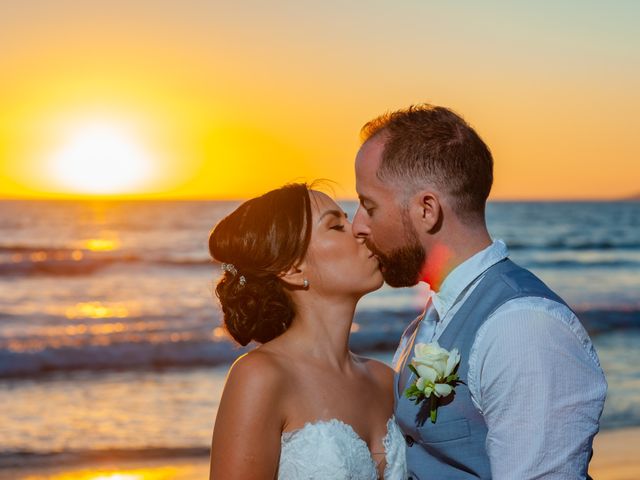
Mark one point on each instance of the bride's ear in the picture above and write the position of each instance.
(293, 277)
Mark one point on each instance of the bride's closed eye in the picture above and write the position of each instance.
(337, 227)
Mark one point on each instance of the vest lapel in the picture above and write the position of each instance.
(404, 373)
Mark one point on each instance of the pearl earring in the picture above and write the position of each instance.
(305, 283)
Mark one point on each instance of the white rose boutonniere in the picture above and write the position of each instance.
(435, 369)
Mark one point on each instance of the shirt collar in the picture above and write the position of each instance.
(464, 274)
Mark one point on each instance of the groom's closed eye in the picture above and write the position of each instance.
(367, 208)
(366, 204)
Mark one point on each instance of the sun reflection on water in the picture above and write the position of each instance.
(101, 244)
(38, 257)
(118, 476)
(97, 310)
(153, 473)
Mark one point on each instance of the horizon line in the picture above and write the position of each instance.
(124, 198)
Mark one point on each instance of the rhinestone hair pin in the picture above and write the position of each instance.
(229, 267)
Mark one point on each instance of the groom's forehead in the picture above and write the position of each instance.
(367, 164)
(370, 155)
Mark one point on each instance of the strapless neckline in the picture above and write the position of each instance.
(336, 421)
(344, 451)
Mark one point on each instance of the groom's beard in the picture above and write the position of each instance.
(402, 266)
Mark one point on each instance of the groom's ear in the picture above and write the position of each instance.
(426, 211)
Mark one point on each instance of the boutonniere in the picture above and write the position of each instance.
(435, 369)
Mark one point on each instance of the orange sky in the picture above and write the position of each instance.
(229, 100)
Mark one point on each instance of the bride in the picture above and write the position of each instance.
(300, 405)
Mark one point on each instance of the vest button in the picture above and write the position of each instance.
(409, 440)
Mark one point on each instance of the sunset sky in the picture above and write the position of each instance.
(205, 99)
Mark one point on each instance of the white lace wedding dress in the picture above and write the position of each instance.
(333, 450)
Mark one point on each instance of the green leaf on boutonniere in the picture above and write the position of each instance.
(413, 369)
(412, 391)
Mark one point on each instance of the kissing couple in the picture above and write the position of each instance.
(496, 379)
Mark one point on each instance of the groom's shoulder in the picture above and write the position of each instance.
(519, 282)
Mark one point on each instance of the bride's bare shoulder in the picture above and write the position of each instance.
(258, 364)
(259, 372)
(252, 401)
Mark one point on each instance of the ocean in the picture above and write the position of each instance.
(110, 337)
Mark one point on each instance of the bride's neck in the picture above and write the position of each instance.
(320, 331)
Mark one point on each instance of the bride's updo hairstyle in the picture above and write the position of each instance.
(262, 238)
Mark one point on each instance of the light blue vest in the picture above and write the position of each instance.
(454, 446)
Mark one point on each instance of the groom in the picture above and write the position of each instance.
(533, 389)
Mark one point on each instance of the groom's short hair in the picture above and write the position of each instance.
(428, 144)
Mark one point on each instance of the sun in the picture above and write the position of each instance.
(101, 158)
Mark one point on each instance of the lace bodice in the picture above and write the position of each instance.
(332, 449)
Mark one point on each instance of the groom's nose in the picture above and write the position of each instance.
(360, 226)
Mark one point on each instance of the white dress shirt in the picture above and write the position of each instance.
(533, 374)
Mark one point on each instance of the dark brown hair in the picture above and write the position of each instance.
(262, 238)
(429, 144)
